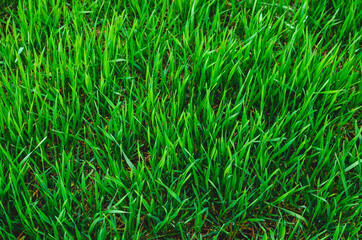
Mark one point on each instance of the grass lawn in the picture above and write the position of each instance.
(180, 119)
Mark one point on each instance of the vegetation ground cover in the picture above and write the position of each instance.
(198, 119)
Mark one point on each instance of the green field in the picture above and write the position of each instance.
(183, 119)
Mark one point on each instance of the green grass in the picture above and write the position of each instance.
(200, 119)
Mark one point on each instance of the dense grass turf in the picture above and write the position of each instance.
(201, 119)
